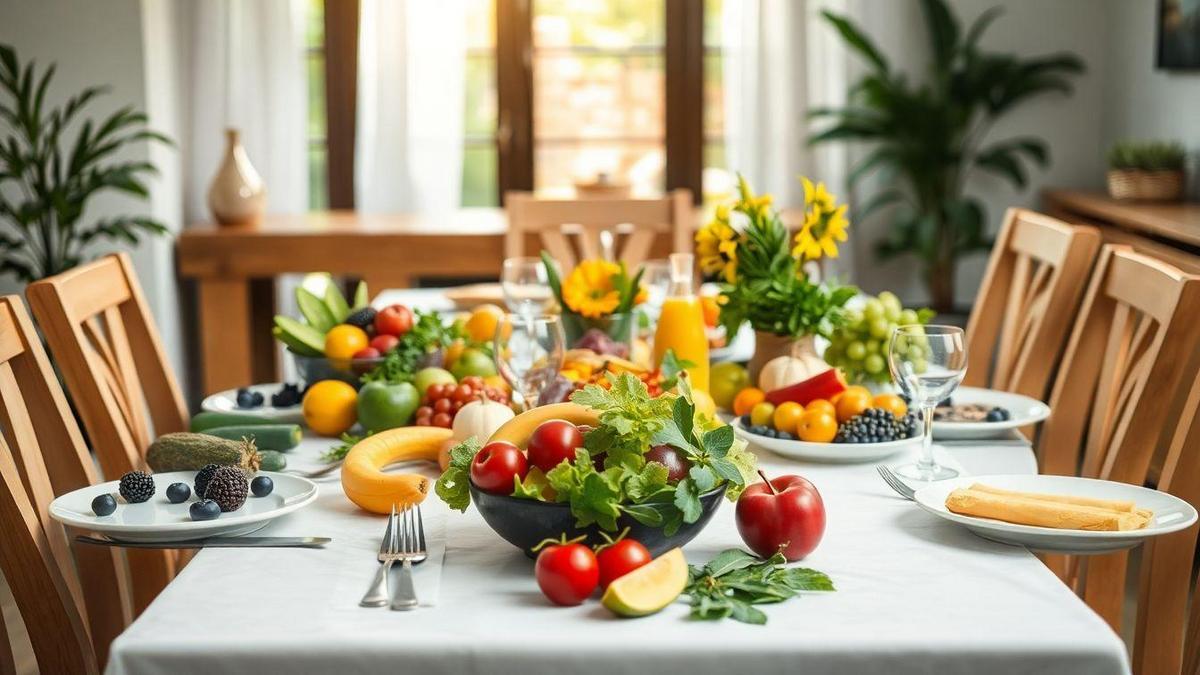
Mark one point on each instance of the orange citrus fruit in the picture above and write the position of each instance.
(821, 404)
(852, 402)
(891, 403)
(817, 426)
(343, 340)
(330, 407)
(787, 416)
(481, 327)
(746, 399)
(712, 310)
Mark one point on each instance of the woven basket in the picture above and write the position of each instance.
(1157, 186)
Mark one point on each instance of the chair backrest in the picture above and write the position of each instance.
(42, 454)
(1131, 347)
(1035, 279)
(101, 333)
(623, 229)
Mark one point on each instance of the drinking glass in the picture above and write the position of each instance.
(525, 286)
(656, 277)
(529, 353)
(928, 362)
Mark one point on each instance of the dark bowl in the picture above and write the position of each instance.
(317, 368)
(525, 523)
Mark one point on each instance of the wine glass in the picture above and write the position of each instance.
(525, 285)
(928, 362)
(529, 353)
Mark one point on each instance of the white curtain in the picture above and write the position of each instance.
(412, 57)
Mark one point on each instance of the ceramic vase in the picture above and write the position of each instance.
(769, 345)
(237, 195)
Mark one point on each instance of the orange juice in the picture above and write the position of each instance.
(681, 324)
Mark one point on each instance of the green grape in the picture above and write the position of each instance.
(873, 364)
(907, 317)
(891, 305)
(833, 354)
(880, 328)
(856, 350)
(919, 366)
(915, 353)
(873, 309)
(853, 317)
(872, 346)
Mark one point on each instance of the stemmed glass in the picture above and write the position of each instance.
(529, 353)
(525, 285)
(656, 277)
(928, 362)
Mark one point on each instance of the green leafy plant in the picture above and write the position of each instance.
(732, 583)
(1147, 156)
(429, 333)
(930, 136)
(53, 179)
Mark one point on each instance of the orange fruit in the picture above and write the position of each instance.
(891, 403)
(330, 407)
(481, 327)
(452, 352)
(787, 416)
(821, 404)
(817, 426)
(343, 340)
(746, 399)
(852, 402)
(712, 310)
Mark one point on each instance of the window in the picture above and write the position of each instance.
(716, 177)
(479, 184)
(318, 167)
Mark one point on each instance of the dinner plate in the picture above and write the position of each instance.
(1171, 514)
(829, 453)
(226, 402)
(1023, 411)
(158, 520)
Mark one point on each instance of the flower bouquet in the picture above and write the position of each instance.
(597, 300)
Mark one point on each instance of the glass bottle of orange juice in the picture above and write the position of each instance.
(681, 323)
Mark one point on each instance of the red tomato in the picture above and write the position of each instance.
(366, 353)
(620, 559)
(385, 343)
(567, 574)
(394, 320)
(552, 442)
(442, 419)
(495, 464)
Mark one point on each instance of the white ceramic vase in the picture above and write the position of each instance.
(237, 195)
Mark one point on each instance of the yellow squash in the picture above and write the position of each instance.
(518, 430)
(370, 488)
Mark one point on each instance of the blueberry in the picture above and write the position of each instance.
(746, 422)
(770, 433)
(262, 486)
(205, 509)
(177, 493)
(785, 436)
(104, 505)
(258, 398)
(245, 398)
(997, 415)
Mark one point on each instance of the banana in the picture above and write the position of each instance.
(518, 430)
(364, 481)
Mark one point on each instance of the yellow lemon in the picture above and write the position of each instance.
(704, 403)
(330, 407)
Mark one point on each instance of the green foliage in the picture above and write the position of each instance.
(733, 582)
(52, 179)
(453, 485)
(428, 334)
(928, 137)
(1147, 156)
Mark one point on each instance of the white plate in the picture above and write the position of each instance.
(1022, 411)
(226, 402)
(831, 453)
(1171, 514)
(158, 520)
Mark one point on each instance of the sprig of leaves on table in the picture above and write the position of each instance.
(429, 333)
(451, 486)
(339, 450)
(733, 582)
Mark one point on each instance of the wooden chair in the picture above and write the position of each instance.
(1131, 346)
(595, 223)
(1035, 280)
(42, 454)
(99, 329)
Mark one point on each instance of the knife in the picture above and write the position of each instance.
(214, 542)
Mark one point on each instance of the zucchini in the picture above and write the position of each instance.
(206, 420)
(272, 460)
(265, 436)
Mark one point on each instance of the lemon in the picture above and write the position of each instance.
(330, 407)
(650, 587)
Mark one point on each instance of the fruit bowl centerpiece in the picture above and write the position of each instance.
(613, 457)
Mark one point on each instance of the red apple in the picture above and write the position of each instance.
(785, 514)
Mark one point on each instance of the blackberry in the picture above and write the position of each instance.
(287, 396)
(362, 318)
(874, 425)
(202, 477)
(228, 488)
(136, 487)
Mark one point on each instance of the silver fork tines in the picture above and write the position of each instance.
(412, 549)
(389, 552)
(895, 483)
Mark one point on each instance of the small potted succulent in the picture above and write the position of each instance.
(1148, 171)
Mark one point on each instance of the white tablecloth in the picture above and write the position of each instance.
(915, 595)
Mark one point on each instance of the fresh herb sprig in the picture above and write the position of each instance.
(452, 486)
(733, 582)
(338, 451)
(428, 333)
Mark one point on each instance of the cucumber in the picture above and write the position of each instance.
(315, 311)
(272, 460)
(206, 420)
(300, 338)
(265, 436)
(361, 299)
(335, 302)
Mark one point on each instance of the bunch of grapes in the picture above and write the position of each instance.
(443, 401)
(860, 347)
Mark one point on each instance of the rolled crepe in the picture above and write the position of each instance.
(1042, 512)
(1110, 504)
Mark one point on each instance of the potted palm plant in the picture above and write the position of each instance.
(51, 178)
(930, 135)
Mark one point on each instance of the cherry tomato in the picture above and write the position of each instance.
(442, 419)
(552, 442)
(424, 411)
(567, 574)
(441, 405)
(473, 381)
(495, 464)
(385, 343)
(394, 320)
(436, 391)
(621, 558)
(464, 393)
(366, 353)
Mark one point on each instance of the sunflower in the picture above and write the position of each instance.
(591, 289)
(824, 225)
(716, 245)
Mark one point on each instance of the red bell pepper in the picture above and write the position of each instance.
(825, 385)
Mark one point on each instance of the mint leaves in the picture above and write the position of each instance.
(732, 583)
(629, 419)
(452, 486)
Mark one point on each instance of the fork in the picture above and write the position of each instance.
(412, 551)
(318, 472)
(389, 552)
(895, 483)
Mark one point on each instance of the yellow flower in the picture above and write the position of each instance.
(590, 289)
(816, 195)
(716, 246)
(824, 225)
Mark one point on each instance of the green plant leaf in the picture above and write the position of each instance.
(857, 40)
(943, 32)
